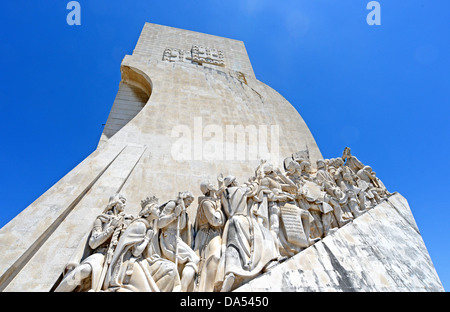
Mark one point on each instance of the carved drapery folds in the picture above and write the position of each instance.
(240, 230)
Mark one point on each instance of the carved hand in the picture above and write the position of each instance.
(178, 210)
(149, 234)
(114, 222)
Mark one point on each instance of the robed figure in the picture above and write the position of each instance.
(86, 269)
(208, 229)
(137, 264)
(247, 245)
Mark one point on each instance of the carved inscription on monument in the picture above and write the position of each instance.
(197, 54)
(207, 55)
(291, 217)
(176, 55)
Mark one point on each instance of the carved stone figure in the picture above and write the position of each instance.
(275, 186)
(366, 182)
(324, 209)
(351, 161)
(240, 231)
(337, 170)
(327, 184)
(378, 189)
(174, 223)
(298, 222)
(137, 264)
(248, 246)
(356, 197)
(87, 268)
(208, 228)
(293, 172)
(312, 196)
(323, 177)
(301, 156)
(305, 170)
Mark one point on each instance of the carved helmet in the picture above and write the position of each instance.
(228, 180)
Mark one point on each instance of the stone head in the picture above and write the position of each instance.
(305, 166)
(230, 181)
(320, 164)
(116, 201)
(187, 197)
(206, 187)
(293, 166)
(347, 177)
(149, 208)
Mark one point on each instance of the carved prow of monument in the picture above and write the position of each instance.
(380, 251)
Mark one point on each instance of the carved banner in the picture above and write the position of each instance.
(292, 220)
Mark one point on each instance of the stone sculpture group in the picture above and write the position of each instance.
(240, 230)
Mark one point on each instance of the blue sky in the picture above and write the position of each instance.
(381, 90)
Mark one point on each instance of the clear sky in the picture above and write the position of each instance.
(382, 90)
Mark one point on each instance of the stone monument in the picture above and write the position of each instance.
(206, 179)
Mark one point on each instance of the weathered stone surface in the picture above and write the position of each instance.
(41, 271)
(24, 235)
(381, 250)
